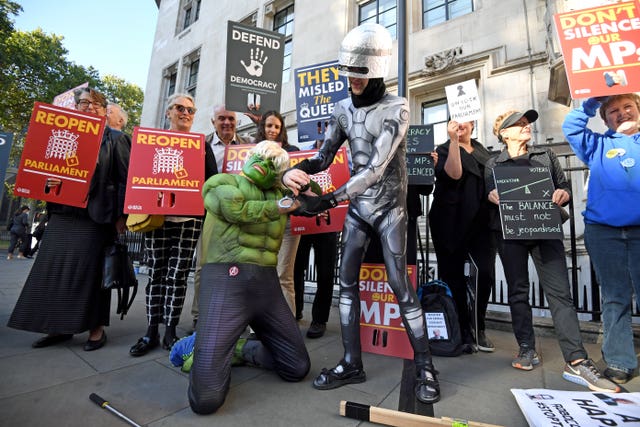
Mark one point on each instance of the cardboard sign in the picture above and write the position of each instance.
(234, 157)
(334, 177)
(526, 209)
(463, 101)
(545, 407)
(67, 99)
(318, 88)
(420, 166)
(600, 46)
(166, 173)
(61, 145)
(254, 69)
(6, 139)
(381, 328)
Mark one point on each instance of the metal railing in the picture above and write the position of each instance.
(585, 290)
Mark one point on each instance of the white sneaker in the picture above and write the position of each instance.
(587, 374)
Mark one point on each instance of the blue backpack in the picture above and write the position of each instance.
(443, 327)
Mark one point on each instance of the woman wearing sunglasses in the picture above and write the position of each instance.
(513, 129)
(170, 250)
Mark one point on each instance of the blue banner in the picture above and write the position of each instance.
(318, 88)
(6, 139)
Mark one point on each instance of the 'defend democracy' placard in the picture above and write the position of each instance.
(601, 49)
(526, 209)
(254, 69)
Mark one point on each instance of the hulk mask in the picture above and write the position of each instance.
(261, 171)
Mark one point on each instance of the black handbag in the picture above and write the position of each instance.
(118, 273)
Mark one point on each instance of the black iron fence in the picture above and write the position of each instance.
(584, 286)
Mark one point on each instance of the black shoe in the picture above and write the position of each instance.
(427, 387)
(94, 345)
(144, 346)
(342, 374)
(51, 340)
(616, 375)
(168, 342)
(484, 343)
(316, 330)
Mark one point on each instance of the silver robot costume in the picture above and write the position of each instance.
(377, 193)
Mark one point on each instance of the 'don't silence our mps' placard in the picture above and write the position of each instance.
(166, 173)
(381, 328)
(336, 175)
(330, 179)
(61, 146)
(601, 49)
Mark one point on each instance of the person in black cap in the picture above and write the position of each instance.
(513, 129)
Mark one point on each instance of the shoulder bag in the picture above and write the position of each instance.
(118, 273)
(143, 222)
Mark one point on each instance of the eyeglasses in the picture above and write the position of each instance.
(182, 109)
(519, 124)
(84, 103)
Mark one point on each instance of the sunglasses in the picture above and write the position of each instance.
(182, 109)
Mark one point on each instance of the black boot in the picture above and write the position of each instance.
(343, 374)
(427, 388)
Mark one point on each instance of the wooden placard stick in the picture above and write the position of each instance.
(390, 417)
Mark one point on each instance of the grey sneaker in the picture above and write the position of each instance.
(587, 374)
(526, 358)
(484, 343)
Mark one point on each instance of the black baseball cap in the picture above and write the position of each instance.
(531, 115)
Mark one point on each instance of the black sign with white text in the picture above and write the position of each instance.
(526, 209)
(420, 167)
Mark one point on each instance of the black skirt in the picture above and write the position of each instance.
(63, 294)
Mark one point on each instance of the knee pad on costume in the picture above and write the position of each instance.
(415, 321)
(345, 309)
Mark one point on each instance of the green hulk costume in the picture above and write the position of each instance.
(240, 285)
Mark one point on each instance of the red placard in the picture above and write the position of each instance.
(337, 174)
(234, 157)
(601, 48)
(61, 145)
(381, 328)
(166, 173)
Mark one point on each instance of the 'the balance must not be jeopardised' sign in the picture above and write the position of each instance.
(526, 209)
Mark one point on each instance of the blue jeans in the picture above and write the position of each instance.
(615, 255)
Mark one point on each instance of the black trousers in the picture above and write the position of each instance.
(232, 297)
(324, 249)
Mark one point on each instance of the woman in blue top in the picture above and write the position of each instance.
(612, 217)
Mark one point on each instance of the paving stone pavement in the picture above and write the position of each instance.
(51, 386)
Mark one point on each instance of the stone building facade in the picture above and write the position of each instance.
(507, 47)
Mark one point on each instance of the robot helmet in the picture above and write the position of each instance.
(365, 52)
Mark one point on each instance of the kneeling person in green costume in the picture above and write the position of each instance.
(240, 284)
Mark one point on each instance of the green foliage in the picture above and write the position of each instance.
(34, 67)
(129, 96)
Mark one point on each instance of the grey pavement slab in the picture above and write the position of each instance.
(51, 386)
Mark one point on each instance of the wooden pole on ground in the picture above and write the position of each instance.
(389, 417)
